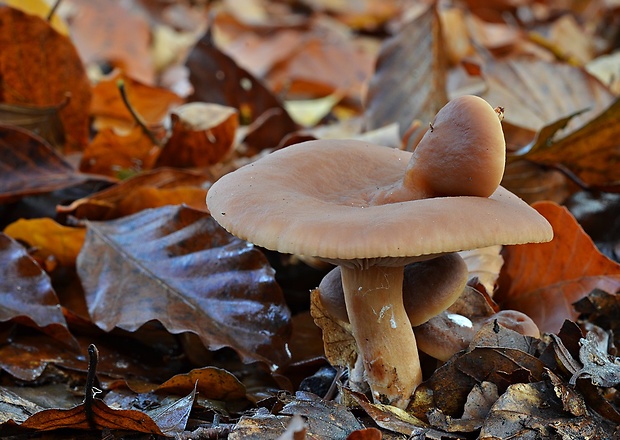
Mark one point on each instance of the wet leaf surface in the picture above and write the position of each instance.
(177, 263)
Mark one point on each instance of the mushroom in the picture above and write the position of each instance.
(429, 288)
(371, 210)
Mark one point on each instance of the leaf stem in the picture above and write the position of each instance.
(121, 87)
(53, 10)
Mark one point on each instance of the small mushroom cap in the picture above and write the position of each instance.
(312, 199)
(429, 287)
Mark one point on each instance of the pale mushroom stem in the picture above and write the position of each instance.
(382, 331)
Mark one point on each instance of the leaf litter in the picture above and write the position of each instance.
(196, 332)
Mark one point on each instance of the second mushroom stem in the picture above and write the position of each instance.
(382, 331)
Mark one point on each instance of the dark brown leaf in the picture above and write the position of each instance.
(176, 265)
(30, 166)
(410, 80)
(26, 293)
(218, 79)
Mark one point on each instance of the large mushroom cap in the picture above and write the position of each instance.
(313, 198)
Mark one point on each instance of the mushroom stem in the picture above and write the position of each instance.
(382, 331)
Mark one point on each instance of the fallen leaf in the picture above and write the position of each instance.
(153, 104)
(43, 121)
(185, 271)
(30, 166)
(210, 382)
(26, 293)
(100, 33)
(42, 9)
(218, 79)
(41, 67)
(544, 280)
(150, 189)
(588, 151)
(409, 83)
(117, 154)
(50, 239)
(202, 134)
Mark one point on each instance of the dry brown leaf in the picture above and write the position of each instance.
(544, 280)
(409, 83)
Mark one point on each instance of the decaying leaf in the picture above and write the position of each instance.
(210, 382)
(598, 366)
(544, 280)
(409, 81)
(176, 265)
(39, 66)
(339, 344)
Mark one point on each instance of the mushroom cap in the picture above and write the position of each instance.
(312, 199)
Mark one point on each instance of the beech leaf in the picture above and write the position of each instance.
(26, 293)
(178, 266)
(410, 79)
(543, 280)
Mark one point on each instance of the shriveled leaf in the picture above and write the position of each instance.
(26, 293)
(49, 238)
(100, 32)
(544, 280)
(210, 382)
(325, 419)
(178, 266)
(152, 103)
(41, 67)
(340, 347)
(531, 411)
(203, 134)
(389, 417)
(30, 166)
(588, 151)
(117, 154)
(259, 426)
(598, 366)
(151, 189)
(410, 80)
(217, 78)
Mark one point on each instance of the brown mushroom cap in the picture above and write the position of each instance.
(313, 198)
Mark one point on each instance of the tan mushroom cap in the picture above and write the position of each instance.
(312, 199)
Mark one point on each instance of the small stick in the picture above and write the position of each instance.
(121, 87)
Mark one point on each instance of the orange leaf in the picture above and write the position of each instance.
(112, 154)
(39, 66)
(49, 238)
(544, 280)
(151, 103)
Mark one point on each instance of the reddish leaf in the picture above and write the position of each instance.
(176, 265)
(39, 66)
(140, 192)
(26, 294)
(544, 280)
(114, 154)
(30, 166)
(218, 79)
(102, 417)
(409, 83)
(210, 382)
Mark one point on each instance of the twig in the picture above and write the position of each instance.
(121, 87)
